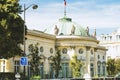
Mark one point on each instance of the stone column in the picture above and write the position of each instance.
(87, 72)
(95, 62)
(46, 67)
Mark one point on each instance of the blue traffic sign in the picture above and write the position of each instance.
(23, 61)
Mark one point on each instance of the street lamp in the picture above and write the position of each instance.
(24, 43)
(26, 8)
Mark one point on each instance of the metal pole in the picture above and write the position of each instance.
(24, 30)
(24, 43)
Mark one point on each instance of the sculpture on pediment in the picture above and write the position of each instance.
(73, 30)
(56, 30)
(94, 33)
(87, 30)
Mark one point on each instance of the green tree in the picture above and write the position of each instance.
(111, 68)
(11, 28)
(76, 66)
(117, 65)
(35, 61)
(56, 62)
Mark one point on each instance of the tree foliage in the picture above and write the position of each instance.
(111, 67)
(117, 65)
(11, 28)
(35, 61)
(76, 66)
(56, 62)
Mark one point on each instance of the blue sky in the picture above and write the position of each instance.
(104, 15)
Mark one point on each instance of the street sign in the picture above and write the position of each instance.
(23, 61)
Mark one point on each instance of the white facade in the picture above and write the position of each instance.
(70, 39)
(112, 43)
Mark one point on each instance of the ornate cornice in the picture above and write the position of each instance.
(40, 34)
(59, 38)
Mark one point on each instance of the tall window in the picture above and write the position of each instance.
(99, 69)
(65, 70)
(92, 69)
(104, 70)
(17, 66)
(51, 70)
(41, 70)
(98, 56)
(103, 57)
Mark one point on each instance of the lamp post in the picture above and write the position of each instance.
(24, 29)
(26, 8)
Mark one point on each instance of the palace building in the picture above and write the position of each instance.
(112, 43)
(70, 38)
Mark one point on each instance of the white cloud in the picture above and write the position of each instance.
(84, 13)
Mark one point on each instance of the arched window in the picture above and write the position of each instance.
(91, 52)
(51, 50)
(103, 57)
(98, 56)
(41, 49)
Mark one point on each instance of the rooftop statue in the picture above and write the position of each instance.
(73, 30)
(87, 30)
(94, 33)
(56, 30)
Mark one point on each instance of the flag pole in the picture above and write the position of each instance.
(64, 8)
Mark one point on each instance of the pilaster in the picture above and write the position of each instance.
(95, 62)
(88, 60)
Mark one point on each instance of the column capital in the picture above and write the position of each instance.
(95, 49)
(88, 48)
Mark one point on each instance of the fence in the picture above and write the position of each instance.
(107, 78)
(11, 76)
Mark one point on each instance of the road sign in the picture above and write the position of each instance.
(23, 61)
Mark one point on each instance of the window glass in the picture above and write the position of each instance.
(51, 50)
(41, 49)
(91, 52)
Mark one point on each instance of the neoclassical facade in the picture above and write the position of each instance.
(112, 43)
(70, 38)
